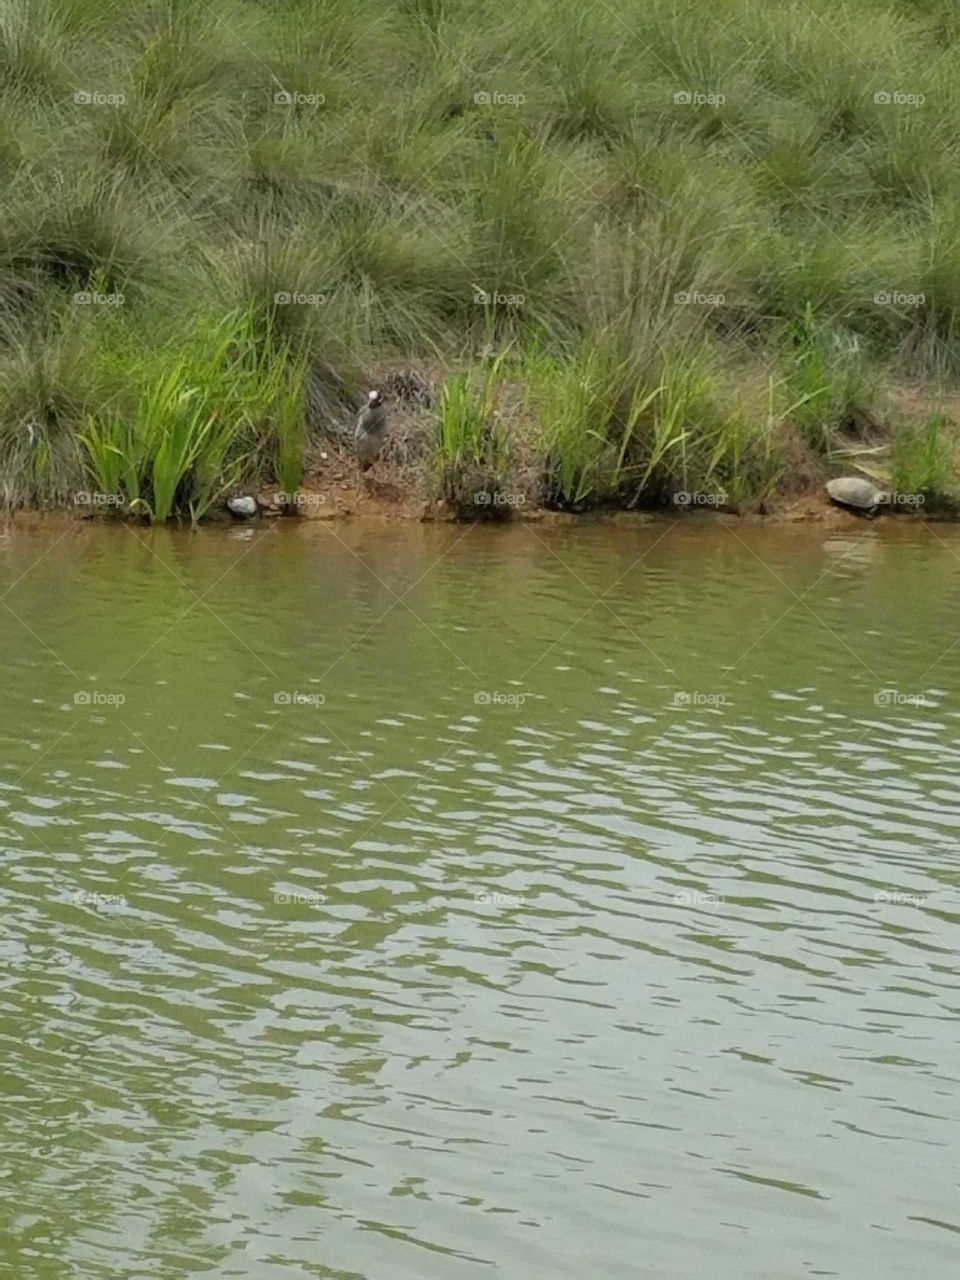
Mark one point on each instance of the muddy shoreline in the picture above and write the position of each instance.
(386, 503)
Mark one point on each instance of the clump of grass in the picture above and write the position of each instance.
(588, 415)
(471, 452)
(633, 428)
(922, 461)
(830, 380)
(275, 401)
(571, 400)
(48, 380)
(218, 408)
(176, 454)
(697, 437)
(32, 48)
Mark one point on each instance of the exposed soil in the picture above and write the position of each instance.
(395, 489)
(336, 495)
(335, 489)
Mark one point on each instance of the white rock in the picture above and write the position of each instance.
(243, 506)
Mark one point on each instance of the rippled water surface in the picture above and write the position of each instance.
(404, 902)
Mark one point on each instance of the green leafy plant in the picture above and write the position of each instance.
(219, 399)
(922, 460)
(471, 449)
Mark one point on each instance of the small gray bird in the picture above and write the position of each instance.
(371, 430)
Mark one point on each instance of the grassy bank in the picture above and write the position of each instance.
(642, 251)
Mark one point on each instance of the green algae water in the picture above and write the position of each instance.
(391, 902)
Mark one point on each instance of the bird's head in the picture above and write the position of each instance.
(374, 398)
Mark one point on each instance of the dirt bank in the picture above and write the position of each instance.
(336, 490)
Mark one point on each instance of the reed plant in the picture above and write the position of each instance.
(471, 451)
(922, 463)
(211, 411)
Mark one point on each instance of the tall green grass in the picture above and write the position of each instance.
(618, 428)
(590, 406)
(446, 179)
(206, 415)
(471, 449)
(922, 462)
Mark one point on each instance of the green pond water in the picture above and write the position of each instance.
(411, 902)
